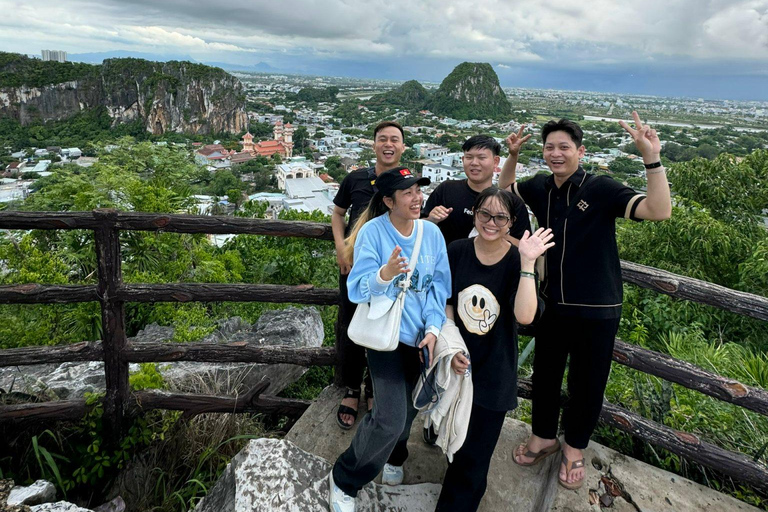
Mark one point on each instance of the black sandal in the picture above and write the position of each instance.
(345, 409)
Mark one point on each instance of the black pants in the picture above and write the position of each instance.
(352, 361)
(589, 343)
(382, 436)
(467, 476)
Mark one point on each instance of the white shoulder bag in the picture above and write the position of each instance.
(376, 325)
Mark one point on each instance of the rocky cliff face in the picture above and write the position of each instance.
(471, 91)
(169, 96)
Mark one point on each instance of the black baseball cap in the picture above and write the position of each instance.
(399, 178)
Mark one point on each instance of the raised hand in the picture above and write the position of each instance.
(439, 214)
(516, 140)
(395, 265)
(646, 140)
(533, 246)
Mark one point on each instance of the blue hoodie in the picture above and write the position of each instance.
(430, 282)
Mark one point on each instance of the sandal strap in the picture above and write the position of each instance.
(343, 409)
(352, 393)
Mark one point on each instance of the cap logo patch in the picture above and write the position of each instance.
(405, 172)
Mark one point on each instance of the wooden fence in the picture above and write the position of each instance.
(117, 352)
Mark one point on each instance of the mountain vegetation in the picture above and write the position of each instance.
(471, 91)
(409, 96)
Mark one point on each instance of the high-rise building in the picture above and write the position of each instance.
(57, 55)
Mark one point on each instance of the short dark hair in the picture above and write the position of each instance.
(564, 125)
(386, 124)
(482, 142)
(504, 197)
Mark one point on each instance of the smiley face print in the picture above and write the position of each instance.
(478, 309)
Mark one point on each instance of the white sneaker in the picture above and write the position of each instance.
(339, 501)
(392, 475)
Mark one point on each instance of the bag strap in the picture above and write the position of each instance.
(414, 255)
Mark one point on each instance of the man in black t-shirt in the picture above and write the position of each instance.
(354, 194)
(583, 285)
(450, 205)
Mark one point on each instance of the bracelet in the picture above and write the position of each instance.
(653, 165)
(523, 273)
(657, 171)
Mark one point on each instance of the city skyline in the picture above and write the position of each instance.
(717, 49)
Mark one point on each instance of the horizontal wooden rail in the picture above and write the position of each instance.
(177, 292)
(208, 224)
(204, 292)
(191, 404)
(691, 376)
(159, 352)
(47, 294)
(238, 352)
(682, 287)
(735, 465)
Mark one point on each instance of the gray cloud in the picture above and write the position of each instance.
(556, 33)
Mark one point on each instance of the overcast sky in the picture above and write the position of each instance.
(710, 48)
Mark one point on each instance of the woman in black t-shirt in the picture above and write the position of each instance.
(493, 284)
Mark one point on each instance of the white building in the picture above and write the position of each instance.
(307, 195)
(438, 173)
(431, 151)
(57, 55)
(296, 168)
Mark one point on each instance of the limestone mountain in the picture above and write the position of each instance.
(471, 91)
(165, 96)
(410, 95)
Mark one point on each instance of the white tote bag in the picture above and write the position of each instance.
(376, 325)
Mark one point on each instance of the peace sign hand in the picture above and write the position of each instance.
(646, 140)
(516, 140)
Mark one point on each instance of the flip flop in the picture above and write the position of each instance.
(536, 456)
(570, 466)
(344, 409)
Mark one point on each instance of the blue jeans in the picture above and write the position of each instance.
(382, 436)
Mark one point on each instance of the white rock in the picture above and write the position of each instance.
(41, 491)
(59, 506)
(274, 475)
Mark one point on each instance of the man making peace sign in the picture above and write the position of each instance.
(582, 285)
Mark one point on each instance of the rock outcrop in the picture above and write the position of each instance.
(275, 475)
(295, 327)
(164, 96)
(471, 91)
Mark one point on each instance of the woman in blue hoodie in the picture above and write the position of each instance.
(382, 240)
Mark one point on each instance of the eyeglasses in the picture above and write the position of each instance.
(500, 220)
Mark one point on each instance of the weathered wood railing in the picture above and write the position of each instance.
(117, 352)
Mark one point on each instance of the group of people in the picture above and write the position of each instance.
(475, 269)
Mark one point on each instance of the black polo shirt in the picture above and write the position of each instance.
(457, 194)
(583, 274)
(355, 192)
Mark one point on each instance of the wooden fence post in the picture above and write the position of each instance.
(113, 324)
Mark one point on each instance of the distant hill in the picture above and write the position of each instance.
(471, 91)
(410, 95)
(163, 96)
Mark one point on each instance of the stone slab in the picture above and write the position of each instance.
(275, 475)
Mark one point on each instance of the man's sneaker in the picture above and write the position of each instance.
(392, 475)
(339, 501)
